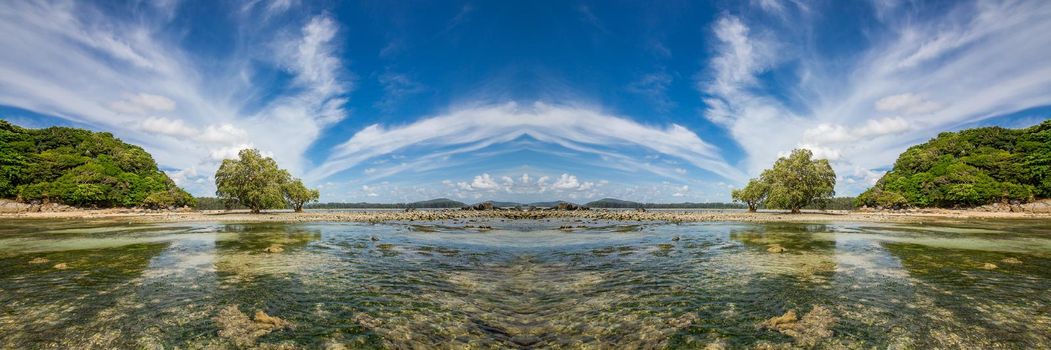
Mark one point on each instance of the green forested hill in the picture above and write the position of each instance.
(969, 168)
(81, 168)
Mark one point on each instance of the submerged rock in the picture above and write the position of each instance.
(274, 248)
(61, 266)
(776, 248)
(808, 331)
(367, 321)
(685, 321)
(39, 260)
(1012, 261)
(989, 266)
(242, 331)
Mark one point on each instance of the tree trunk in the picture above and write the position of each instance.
(795, 211)
(256, 210)
(752, 208)
(299, 208)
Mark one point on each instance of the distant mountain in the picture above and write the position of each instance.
(433, 203)
(613, 203)
(618, 203)
(547, 204)
(506, 204)
(437, 203)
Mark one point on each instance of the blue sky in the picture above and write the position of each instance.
(525, 100)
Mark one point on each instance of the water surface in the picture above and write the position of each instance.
(524, 284)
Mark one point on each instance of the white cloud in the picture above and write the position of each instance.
(224, 134)
(144, 103)
(484, 182)
(987, 58)
(129, 75)
(566, 182)
(907, 103)
(578, 129)
(168, 127)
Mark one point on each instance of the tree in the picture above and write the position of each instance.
(798, 181)
(296, 194)
(81, 168)
(753, 194)
(252, 180)
(969, 168)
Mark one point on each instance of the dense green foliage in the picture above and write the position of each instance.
(213, 203)
(753, 194)
(794, 182)
(296, 194)
(837, 203)
(969, 168)
(257, 183)
(798, 180)
(81, 168)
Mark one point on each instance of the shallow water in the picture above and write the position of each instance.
(524, 284)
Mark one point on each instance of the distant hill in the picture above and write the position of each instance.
(507, 204)
(81, 168)
(618, 203)
(547, 204)
(969, 168)
(433, 203)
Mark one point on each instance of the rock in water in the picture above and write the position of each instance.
(274, 248)
(39, 260)
(61, 266)
(683, 322)
(989, 266)
(1012, 261)
(262, 318)
(242, 331)
(775, 248)
(808, 331)
(367, 321)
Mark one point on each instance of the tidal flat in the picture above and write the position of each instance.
(497, 283)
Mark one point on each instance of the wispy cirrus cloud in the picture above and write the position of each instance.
(129, 76)
(920, 76)
(578, 129)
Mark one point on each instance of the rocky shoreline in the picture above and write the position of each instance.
(674, 216)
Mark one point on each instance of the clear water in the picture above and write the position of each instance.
(525, 285)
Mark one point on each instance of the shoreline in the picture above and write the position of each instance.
(382, 215)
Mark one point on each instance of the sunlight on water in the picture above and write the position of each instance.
(524, 284)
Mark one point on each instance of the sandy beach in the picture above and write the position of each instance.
(376, 216)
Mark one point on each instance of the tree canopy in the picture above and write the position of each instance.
(794, 182)
(753, 194)
(81, 168)
(969, 168)
(296, 194)
(257, 183)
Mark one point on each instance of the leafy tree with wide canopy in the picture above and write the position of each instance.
(256, 182)
(753, 194)
(794, 182)
(296, 194)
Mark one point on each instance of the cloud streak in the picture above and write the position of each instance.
(921, 76)
(579, 129)
(129, 76)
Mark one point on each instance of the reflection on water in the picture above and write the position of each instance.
(524, 285)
